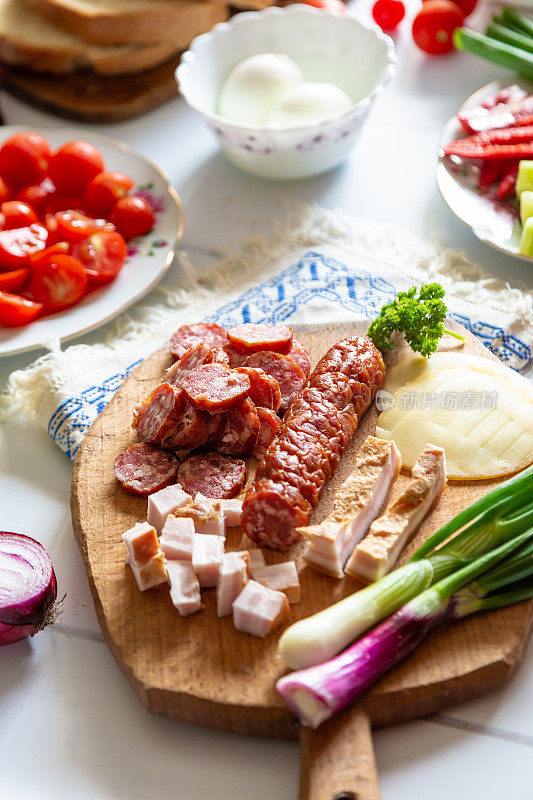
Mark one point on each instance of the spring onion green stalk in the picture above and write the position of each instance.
(499, 20)
(516, 568)
(509, 15)
(498, 52)
(496, 518)
(317, 693)
(505, 34)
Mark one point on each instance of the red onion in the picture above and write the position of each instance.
(28, 587)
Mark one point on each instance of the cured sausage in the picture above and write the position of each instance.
(190, 335)
(251, 337)
(239, 431)
(155, 417)
(270, 424)
(264, 389)
(289, 375)
(191, 430)
(200, 354)
(299, 354)
(305, 453)
(213, 475)
(215, 387)
(143, 469)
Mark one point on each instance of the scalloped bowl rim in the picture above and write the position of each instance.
(188, 58)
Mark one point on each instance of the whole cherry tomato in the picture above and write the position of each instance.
(466, 6)
(58, 282)
(17, 214)
(11, 281)
(15, 310)
(132, 216)
(388, 14)
(103, 255)
(37, 195)
(434, 25)
(73, 166)
(105, 189)
(24, 159)
(17, 245)
(72, 226)
(336, 6)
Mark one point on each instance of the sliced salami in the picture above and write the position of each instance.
(200, 354)
(240, 429)
(251, 337)
(333, 386)
(191, 430)
(264, 389)
(155, 417)
(289, 375)
(270, 424)
(236, 359)
(213, 475)
(215, 387)
(358, 358)
(143, 469)
(271, 512)
(190, 335)
(299, 354)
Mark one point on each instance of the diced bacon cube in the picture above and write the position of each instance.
(232, 578)
(184, 587)
(207, 552)
(259, 610)
(205, 504)
(210, 523)
(257, 559)
(141, 543)
(177, 537)
(150, 574)
(232, 510)
(281, 577)
(165, 502)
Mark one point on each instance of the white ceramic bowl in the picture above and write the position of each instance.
(330, 47)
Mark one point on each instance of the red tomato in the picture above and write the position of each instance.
(59, 202)
(17, 214)
(388, 14)
(24, 159)
(37, 195)
(59, 248)
(72, 226)
(17, 245)
(103, 255)
(327, 5)
(58, 282)
(5, 191)
(132, 216)
(434, 25)
(466, 6)
(74, 165)
(15, 310)
(105, 189)
(11, 281)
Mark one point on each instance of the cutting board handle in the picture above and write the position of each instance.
(337, 760)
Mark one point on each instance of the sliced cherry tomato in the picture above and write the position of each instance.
(60, 202)
(17, 214)
(105, 189)
(58, 282)
(327, 5)
(17, 245)
(132, 216)
(24, 159)
(5, 191)
(15, 310)
(388, 14)
(74, 165)
(14, 280)
(36, 196)
(73, 227)
(466, 6)
(103, 255)
(59, 248)
(434, 25)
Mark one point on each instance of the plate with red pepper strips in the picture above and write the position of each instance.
(87, 227)
(479, 156)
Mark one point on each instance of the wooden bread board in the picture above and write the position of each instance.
(202, 671)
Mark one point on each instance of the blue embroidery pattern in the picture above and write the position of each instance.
(314, 277)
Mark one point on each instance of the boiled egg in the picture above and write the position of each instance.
(254, 86)
(308, 101)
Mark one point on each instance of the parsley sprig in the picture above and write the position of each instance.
(421, 319)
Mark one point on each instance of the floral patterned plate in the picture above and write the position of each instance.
(149, 256)
(494, 222)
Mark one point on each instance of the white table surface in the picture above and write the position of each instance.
(71, 728)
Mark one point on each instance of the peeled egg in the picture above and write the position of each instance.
(308, 102)
(254, 86)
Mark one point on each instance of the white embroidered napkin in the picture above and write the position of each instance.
(319, 266)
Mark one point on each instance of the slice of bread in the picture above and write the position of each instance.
(134, 21)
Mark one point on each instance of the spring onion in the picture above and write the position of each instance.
(510, 36)
(509, 15)
(499, 20)
(492, 50)
(495, 519)
(318, 692)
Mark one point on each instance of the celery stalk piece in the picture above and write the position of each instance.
(318, 692)
(524, 179)
(526, 206)
(526, 242)
(498, 52)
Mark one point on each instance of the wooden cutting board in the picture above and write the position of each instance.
(202, 671)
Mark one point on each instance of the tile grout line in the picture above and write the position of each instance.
(484, 730)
